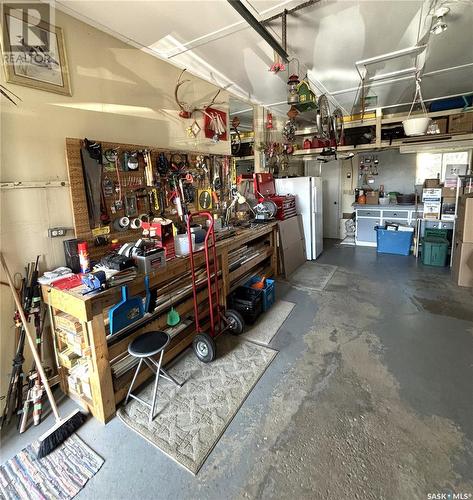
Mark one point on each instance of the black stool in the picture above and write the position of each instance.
(145, 347)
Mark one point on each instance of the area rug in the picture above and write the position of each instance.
(312, 277)
(192, 418)
(263, 331)
(59, 475)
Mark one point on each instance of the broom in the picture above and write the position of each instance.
(65, 427)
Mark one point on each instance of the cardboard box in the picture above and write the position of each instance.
(448, 192)
(431, 183)
(372, 197)
(432, 209)
(462, 269)
(431, 194)
(464, 225)
(462, 122)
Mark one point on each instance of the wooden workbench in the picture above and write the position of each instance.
(91, 311)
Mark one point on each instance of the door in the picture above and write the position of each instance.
(331, 198)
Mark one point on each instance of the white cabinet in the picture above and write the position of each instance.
(367, 218)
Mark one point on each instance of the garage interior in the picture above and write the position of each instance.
(237, 249)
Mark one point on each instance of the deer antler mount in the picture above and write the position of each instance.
(186, 110)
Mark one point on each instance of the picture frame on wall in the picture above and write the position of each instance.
(33, 53)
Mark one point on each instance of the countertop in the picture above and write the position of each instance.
(390, 206)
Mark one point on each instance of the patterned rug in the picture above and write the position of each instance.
(312, 276)
(59, 475)
(263, 331)
(192, 418)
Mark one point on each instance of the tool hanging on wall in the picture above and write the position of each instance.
(148, 167)
(162, 165)
(91, 155)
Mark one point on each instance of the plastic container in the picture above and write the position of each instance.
(395, 242)
(434, 251)
(181, 244)
(248, 302)
(269, 291)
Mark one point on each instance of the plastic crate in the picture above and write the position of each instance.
(395, 242)
(435, 232)
(434, 251)
(269, 291)
(248, 302)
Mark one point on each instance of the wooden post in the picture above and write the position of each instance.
(101, 375)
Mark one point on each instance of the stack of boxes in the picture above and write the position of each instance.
(73, 355)
(463, 249)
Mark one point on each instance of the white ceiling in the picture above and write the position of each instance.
(211, 40)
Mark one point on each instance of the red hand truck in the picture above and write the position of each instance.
(220, 320)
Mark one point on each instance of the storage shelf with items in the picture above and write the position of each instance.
(385, 131)
(73, 356)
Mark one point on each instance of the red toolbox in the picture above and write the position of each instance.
(265, 189)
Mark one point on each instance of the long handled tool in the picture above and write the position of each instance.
(65, 427)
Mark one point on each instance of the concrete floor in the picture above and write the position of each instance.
(370, 396)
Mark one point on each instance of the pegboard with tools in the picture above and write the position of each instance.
(117, 188)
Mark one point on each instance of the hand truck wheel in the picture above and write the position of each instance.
(204, 347)
(235, 322)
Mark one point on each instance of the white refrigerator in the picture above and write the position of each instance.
(308, 192)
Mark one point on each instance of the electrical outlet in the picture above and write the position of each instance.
(56, 232)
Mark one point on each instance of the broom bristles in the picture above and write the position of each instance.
(63, 429)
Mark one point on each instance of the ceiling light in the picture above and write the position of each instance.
(440, 25)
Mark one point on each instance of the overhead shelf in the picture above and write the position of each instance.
(409, 144)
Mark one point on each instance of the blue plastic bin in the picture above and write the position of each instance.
(396, 242)
(269, 291)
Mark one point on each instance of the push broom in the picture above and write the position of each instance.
(64, 427)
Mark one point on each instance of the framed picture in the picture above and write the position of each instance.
(33, 53)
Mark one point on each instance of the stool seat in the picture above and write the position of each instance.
(149, 344)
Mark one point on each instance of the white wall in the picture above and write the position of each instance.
(120, 94)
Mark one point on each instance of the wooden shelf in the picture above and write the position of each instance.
(389, 120)
(248, 265)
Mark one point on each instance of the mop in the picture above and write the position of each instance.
(65, 427)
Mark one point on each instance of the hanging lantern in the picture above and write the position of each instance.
(292, 93)
(307, 99)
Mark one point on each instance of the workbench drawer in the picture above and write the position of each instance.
(395, 214)
(368, 213)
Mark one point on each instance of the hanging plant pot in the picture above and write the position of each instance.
(417, 125)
